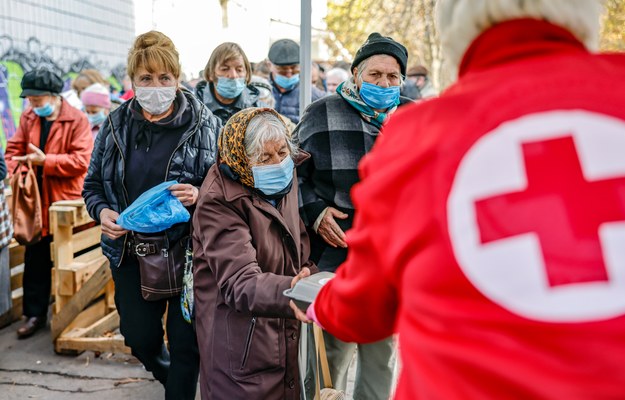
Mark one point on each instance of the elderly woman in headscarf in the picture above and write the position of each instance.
(249, 246)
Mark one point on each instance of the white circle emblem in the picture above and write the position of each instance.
(515, 270)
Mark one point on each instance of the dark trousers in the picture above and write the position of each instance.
(37, 280)
(141, 323)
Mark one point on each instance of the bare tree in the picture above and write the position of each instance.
(410, 22)
(224, 13)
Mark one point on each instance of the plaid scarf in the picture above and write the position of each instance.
(6, 227)
(349, 91)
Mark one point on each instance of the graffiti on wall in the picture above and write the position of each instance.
(16, 60)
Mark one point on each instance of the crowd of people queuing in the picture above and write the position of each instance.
(459, 225)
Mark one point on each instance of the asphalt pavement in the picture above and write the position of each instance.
(30, 369)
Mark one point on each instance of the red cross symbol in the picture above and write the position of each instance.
(561, 207)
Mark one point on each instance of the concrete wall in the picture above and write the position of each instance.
(64, 35)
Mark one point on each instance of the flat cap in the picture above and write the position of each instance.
(40, 82)
(284, 52)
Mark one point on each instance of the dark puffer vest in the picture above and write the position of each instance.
(189, 163)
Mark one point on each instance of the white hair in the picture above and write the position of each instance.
(459, 22)
(266, 127)
(339, 73)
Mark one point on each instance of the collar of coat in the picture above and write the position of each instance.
(517, 39)
(248, 96)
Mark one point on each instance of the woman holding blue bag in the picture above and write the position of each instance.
(163, 136)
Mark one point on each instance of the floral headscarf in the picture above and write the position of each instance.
(232, 146)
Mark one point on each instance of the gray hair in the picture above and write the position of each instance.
(263, 128)
(459, 22)
(339, 73)
(264, 88)
(363, 66)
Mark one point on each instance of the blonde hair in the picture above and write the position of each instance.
(153, 51)
(459, 22)
(223, 53)
(92, 76)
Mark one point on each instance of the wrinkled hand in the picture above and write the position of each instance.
(37, 157)
(108, 224)
(186, 193)
(330, 231)
(299, 314)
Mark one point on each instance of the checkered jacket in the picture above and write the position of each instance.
(337, 137)
(6, 226)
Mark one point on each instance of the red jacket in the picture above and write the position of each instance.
(490, 228)
(68, 152)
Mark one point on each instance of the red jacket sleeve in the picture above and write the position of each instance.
(74, 161)
(18, 143)
(360, 304)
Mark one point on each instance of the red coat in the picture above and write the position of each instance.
(490, 228)
(68, 152)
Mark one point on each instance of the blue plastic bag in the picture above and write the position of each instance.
(154, 211)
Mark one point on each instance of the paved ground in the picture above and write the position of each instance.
(30, 369)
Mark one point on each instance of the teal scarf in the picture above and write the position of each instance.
(349, 91)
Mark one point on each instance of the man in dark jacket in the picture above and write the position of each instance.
(284, 56)
(338, 131)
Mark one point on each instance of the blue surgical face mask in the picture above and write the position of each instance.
(44, 111)
(230, 88)
(97, 118)
(271, 179)
(286, 83)
(378, 97)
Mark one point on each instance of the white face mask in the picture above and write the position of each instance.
(155, 100)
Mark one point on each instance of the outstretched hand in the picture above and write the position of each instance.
(300, 314)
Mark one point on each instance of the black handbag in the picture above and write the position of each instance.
(161, 264)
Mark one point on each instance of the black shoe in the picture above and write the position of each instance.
(32, 325)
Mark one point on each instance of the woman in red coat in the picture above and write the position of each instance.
(491, 221)
(55, 137)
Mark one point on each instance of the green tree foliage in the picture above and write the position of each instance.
(613, 30)
(411, 22)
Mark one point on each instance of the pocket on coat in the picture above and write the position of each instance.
(254, 345)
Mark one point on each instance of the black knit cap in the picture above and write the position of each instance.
(378, 44)
(41, 81)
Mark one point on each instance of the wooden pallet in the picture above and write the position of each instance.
(84, 315)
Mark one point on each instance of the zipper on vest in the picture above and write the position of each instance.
(197, 127)
(121, 155)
